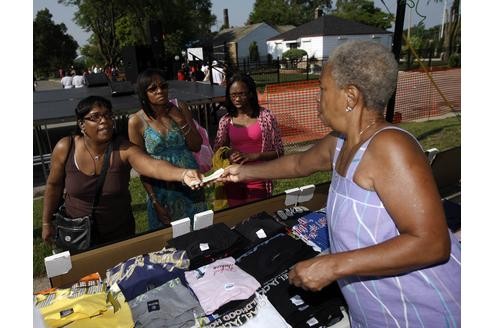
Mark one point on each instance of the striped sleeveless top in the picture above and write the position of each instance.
(429, 297)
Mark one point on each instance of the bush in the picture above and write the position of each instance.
(294, 56)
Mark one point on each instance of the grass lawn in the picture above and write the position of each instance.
(442, 134)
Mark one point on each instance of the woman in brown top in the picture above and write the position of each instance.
(77, 164)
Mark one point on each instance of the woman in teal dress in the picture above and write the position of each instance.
(165, 129)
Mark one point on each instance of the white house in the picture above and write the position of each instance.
(238, 39)
(323, 34)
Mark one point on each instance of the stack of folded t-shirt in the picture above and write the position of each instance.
(209, 244)
(220, 282)
(274, 255)
(304, 308)
(85, 304)
(141, 273)
(169, 305)
(258, 228)
(312, 228)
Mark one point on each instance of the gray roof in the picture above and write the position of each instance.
(237, 33)
(328, 25)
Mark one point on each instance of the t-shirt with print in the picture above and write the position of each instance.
(220, 282)
(144, 272)
(313, 230)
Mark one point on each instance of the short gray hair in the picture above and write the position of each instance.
(369, 66)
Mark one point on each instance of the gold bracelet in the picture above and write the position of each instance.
(182, 127)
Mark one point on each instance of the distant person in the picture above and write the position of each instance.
(218, 73)
(35, 83)
(77, 161)
(206, 71)
(66, 81)
(78, 81)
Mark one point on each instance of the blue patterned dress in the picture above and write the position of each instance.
(181, 200)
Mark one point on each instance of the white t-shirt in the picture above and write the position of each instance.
(66, 82)
(78, 81)
(218, 74)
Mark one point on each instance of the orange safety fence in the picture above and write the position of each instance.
(294, 103)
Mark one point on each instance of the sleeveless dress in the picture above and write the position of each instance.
(181, 200)
(429, 297)
(113, 215)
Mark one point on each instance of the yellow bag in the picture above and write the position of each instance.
(218, 161)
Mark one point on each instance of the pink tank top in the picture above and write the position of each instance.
(247, 139)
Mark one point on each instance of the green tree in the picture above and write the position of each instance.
(363, 11)
(286, 12)
(53, 48)
(119, 23)
(452, 28)
(294, 56)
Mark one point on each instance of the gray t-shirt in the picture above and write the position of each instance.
(168, 305)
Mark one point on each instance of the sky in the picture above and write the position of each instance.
(239, 11)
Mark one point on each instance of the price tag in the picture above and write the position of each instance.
(311, 322)
(261, 234)
(296, 300)
(204, 247)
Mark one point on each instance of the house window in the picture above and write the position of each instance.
(292, 45)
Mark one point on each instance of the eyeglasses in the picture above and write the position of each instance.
(96, 117)
(154, 87)
(241, 95)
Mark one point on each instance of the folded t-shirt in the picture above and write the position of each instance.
(220, 282)
(169, 305)
(304, 308)
(206, 245)
(274, 255)
(141, 273)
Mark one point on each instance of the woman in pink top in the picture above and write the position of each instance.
(253, 135)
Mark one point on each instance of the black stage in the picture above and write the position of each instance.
(55, 106)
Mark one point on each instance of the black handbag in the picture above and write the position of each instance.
(76, 234)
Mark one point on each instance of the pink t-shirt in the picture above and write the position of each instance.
(220, 282)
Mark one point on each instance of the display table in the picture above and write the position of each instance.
(102, 258)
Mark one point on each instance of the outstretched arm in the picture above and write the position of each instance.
(318, 158)
(157, 168)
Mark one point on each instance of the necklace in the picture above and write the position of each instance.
(93, 157)
(369, 126)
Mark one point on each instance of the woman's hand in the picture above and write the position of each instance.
(238, 157)
(47, 233)
(192, 178)
(177, 115)
(313, 274)
(231, 173)
(163, 213)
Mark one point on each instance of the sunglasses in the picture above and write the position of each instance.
(154, 87)
(97, 117)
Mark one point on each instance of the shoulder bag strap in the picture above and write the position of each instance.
(101, 178)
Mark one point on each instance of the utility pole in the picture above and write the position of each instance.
(396, 47)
